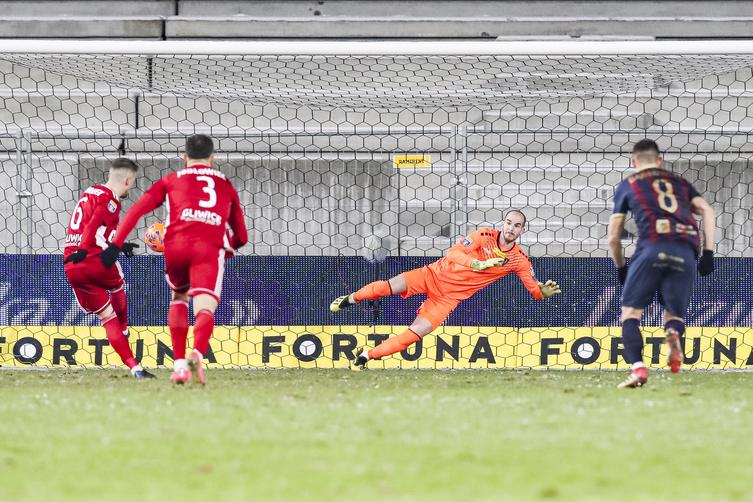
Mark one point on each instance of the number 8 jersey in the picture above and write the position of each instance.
(201, 204)
(660, 202)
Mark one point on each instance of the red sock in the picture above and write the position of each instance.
(118, 341)
(119, 303)
(202, 330)
(372, 291)
(177, 320)
(394, 344)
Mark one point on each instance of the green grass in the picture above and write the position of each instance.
(389, 435)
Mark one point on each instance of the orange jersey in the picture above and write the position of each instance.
(455, 278)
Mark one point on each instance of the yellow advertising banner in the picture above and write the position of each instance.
(411, 161)
(333, 346)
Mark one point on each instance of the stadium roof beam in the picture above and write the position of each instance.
(229, 19)
(357, 27)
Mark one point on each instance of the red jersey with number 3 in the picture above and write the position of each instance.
(93, 222)
(201, 203)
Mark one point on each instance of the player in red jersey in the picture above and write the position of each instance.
(202, 203)
(476, 261)
(100, 290)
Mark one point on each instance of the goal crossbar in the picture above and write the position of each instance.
(380, 48)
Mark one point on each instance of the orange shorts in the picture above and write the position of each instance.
(437, 307)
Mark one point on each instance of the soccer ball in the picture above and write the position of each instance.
(154, 237)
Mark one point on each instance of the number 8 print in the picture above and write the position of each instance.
(666, 198)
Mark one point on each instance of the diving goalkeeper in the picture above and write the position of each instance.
(472, 264)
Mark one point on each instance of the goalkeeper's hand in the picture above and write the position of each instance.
(128, 248)
(77, 256)
(479, 265)
(706, 264)
(549, 288)
(109, 256)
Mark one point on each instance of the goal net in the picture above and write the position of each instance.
(359, 161)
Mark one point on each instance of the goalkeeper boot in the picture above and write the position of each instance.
(140, 373)
(339, 303)
(637, 378)
(360, 361)
(195, 363)
(674, 361)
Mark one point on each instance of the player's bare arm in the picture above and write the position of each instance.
(700, 207)
(614, 239)
(237, 223)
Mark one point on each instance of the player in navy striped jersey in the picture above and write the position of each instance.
(664, 206)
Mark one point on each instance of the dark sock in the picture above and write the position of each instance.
(632, 341)
(676, 325)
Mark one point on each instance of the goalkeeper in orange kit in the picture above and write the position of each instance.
(472, 264)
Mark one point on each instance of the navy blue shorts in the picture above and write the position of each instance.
(665, 269)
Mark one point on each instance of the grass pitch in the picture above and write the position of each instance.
(375, 435)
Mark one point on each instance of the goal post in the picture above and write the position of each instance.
(356, 161)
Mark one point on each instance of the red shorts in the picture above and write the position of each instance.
(195, 268)
(437, 306)
(92, 283)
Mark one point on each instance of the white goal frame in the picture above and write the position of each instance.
(381, 48)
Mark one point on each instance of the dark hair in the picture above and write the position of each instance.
(520, 213)
(123, 163)
(199, 146)
(646, 146)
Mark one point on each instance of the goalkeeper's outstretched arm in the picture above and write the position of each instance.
(461, 253)
(538, 290)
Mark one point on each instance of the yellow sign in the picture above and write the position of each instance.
(420, 160)
(334, 346)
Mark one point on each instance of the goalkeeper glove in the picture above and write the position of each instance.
(622, 274)
(479, 265)
(109, 256)
(706, 264)
(550, 288)
(128, 248)
(77, 256)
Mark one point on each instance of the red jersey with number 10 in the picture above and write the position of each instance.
(93, 222)
(201, 203)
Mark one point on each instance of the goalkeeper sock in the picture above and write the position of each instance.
(177, 319)
(372, 291)
(119, 303)
(395, 344)
(202, 330)
(118, 341)
(676, 325)
(632, 341)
